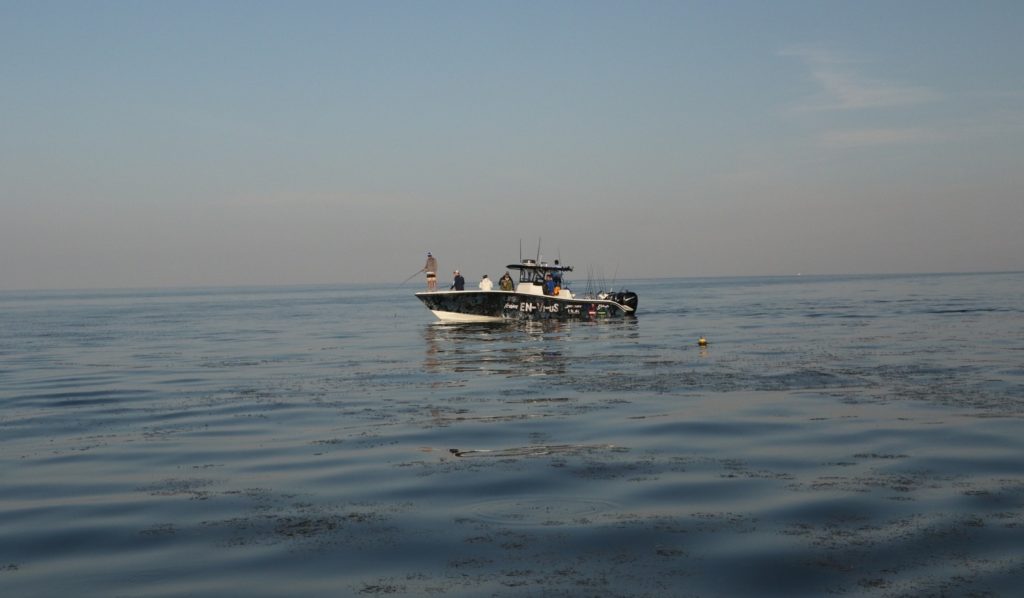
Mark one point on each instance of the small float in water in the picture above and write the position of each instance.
(532, 299)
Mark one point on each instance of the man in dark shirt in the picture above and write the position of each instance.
(460, 282)
(549, 284)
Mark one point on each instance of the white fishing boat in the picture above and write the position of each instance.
(537, 296)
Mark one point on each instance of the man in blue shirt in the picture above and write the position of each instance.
(549, 284)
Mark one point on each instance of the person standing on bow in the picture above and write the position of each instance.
(486, 284)
(459, 283)
(431, 270)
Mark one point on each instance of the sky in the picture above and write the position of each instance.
(221, 143)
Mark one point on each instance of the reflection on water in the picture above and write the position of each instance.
(519, 348)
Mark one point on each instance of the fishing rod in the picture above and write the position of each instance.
(410, 278)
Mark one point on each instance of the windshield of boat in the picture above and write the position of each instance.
(535, 273)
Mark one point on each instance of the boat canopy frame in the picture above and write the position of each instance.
(531, 271)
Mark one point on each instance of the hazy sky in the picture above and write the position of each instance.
(225, 143)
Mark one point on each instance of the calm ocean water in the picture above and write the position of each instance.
(839, 435)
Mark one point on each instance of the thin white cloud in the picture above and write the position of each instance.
(811, 54)
(844, 89)
(988, 125)
(854, 138)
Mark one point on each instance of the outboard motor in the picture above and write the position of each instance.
(627, 298)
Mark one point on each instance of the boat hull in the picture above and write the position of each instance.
(497, 306)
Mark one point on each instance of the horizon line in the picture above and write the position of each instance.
(207, 287)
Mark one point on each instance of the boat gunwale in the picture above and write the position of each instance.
(584, 301)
